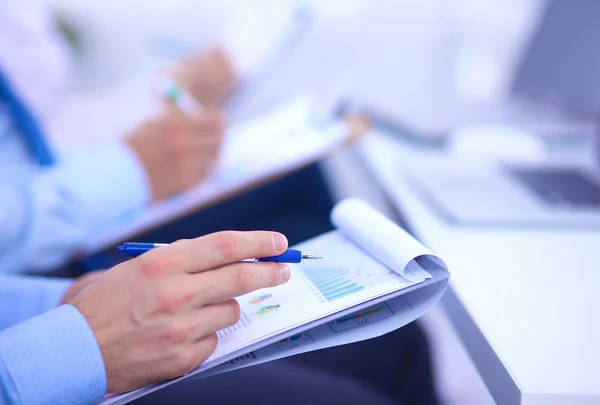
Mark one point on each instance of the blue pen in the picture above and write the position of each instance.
(134, 249)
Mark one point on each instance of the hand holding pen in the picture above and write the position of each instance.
(177, 150)
(146, 313)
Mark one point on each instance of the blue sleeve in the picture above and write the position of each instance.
(23, 297)
(53, 358)
(45, 214)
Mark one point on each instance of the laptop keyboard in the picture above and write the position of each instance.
(560, 186)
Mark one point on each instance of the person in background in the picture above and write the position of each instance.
(133, 160)
(53, 197)
(151, 319)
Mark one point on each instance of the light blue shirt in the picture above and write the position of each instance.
(45, 212)
(48, 355)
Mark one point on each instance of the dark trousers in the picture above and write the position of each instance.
(392, 369)
(297, 205)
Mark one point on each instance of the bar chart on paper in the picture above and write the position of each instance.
(337, 282)
(361, 318)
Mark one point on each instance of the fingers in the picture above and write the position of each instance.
(203, 349)
(239, 279)
(198, 137)
(214, 317)
(207, 121)
(196, 323)
(189, 358)
(184, 292)
(208, 75)
(211, 120)
(222, 248)
(198, 134)
(208, 128)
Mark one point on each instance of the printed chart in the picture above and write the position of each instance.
(293, 342)
(267, 309)
(260, 298)
(361, 318)
(337, 282)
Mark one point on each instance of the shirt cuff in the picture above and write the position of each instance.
(38, 295)
(109, 180)
(52, 359)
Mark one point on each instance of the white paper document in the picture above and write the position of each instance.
(352, 294)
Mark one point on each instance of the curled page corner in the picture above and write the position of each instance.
(382, 238)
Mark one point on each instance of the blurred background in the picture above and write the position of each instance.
(413, 56)
(469, 45)
(392, 54)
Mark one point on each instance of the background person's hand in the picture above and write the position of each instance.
(155, 317)
(177, 150)
(207, 75)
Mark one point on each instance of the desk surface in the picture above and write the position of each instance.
(525, 302)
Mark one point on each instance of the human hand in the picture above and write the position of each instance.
(177, 150)
(207, 75)
(155, 317)
(79, 284)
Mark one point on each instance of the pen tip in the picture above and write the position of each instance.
(311, 257)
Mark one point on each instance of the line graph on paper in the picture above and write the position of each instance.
(333, 283)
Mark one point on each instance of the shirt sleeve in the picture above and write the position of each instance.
(53, 358)
(45, 214)
(23, 297)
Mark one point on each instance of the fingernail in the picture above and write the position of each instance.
(280, 242)
(284, 272)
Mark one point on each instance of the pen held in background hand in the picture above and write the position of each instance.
(170, 91)
(133, 249)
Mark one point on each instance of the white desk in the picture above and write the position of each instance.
(524, 302)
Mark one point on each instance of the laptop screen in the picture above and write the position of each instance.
(562, 63)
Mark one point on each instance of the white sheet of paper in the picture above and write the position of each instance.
(365, 324)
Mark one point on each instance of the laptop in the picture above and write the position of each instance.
(521, 196)
(546, 194)
(550, 93)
